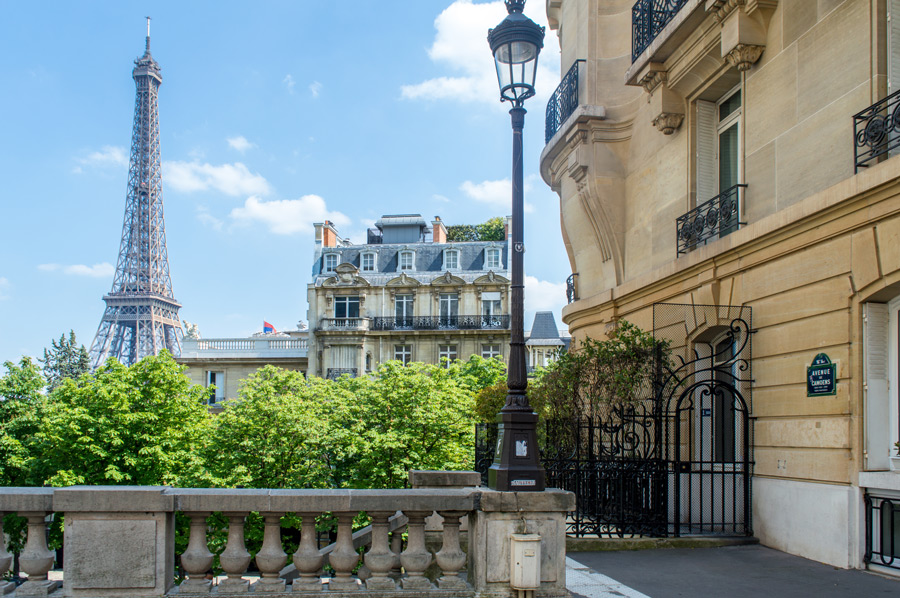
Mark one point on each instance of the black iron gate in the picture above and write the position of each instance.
(676, 463)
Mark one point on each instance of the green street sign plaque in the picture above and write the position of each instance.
(821, 377)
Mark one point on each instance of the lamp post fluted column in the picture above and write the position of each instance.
(516, 43)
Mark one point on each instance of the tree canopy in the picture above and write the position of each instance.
(490, 230)
(65, 359)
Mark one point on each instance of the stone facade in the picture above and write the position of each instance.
(759, 93)
(406, 294)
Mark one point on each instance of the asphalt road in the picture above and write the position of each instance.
(733, 572)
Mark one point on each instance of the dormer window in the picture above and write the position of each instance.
(406, 260)
(330, 262)
(491, 258)
(367, 262)
(451, 259)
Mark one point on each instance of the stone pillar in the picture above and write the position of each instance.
(505, 513)
(119, 540)
(6, 560)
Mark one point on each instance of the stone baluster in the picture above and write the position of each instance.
(416, 559)
(397, 548)
(344, 557)
(6, 560)
(36, 559)
(450, 558)
(271, 558)
(380, 559)
(196, 559)
(235, 559)
(308, 559)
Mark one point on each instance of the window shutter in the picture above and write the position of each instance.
(706, 150)
(893, 31)
(877, 395)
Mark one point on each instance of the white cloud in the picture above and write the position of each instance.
(4, 288)
(497, 194)
(460, 44)
(288, 216)
(104, 270)
(109, 155)
(240, 143)
(440, 198)
(315, 88)
(231, 179)
(543, 295)
(289, 83)
(204, 216)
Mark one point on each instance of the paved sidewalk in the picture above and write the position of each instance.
(728, 572)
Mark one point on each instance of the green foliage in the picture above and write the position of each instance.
(65, 359)
(596, 373)
(143, 425)
(491, 230)
(284, 432)
(21, 404)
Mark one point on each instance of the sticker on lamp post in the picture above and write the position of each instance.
(821, 377)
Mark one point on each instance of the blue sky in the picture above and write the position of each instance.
(273, 115)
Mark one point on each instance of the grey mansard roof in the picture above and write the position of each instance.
(429, 260)
(544, 331)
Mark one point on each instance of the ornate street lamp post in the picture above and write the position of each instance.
(516, 43)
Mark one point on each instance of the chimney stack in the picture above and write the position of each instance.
(438, 230)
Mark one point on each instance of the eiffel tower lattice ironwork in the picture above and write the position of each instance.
(141, 316)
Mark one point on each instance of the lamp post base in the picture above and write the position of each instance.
(517, 466)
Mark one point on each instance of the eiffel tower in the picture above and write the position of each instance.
(141, 316)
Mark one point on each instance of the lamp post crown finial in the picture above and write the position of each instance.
(515, 6)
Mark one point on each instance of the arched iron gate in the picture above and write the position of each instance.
(676, 463)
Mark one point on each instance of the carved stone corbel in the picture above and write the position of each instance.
(667, 122)
(743, 56)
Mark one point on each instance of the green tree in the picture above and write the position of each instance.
(65, 359)
(144, 425)
(492, 230)
(21, 404)
(281, 433)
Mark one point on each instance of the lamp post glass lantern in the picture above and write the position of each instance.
(516, 43)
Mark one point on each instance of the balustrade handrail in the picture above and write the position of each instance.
(876, 131)
(465, 322)
(714, 218)
(563, 102)
(134, 526)
(648, 19)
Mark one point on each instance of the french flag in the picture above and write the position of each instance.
(267, 328)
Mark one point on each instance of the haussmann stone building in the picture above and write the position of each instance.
(406, 294)
(728, 178)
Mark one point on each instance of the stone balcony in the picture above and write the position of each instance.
(120, 540)
(244, 348)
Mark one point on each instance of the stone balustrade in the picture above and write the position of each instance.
(120, 541)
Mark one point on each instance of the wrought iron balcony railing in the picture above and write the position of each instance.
(648, 18)
(571, 291)
(710, 220)
(563, 102)
(335, 373)
(876, 131)
(500, 322)
(882, 531)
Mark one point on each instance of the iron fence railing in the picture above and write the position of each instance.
(335, 373)
(483, 322)
(712, 219)
(876, 131)
(648, 18)
(882, 531)
(563, 102)
(571, 289)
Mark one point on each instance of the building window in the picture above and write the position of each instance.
(449, 310)
(446, 354)
(346, 307)
(215, 382)
(490, 351)
(451, 259)
(403, 353)
(490, 310)
(718, 145)
(405, 260)
(403, 311)
(491, 258)
(367, 262)
(331, 262)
